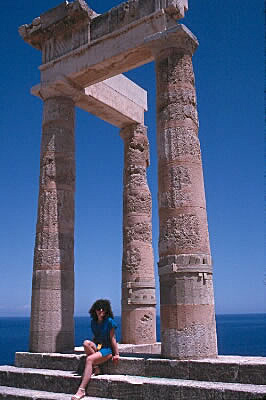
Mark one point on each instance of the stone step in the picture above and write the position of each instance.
(10, 393)
(129, 387)
(39, 379)
(147, 349)
(57, 361)
(231, 369)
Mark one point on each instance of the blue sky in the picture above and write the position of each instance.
(229, 75)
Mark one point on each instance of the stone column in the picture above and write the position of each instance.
(188, 328)
(138, 282)
(52, 325)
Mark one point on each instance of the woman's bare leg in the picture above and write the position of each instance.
(93, 359)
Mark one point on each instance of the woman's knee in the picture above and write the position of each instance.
(89, 347)
(86, 343)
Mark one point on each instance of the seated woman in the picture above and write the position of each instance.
(103, 347)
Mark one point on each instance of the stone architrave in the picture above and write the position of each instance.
(188, 328)
(138, 282)
(52, 309)
(87, 48)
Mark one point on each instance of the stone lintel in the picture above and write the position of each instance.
(117, 100)
(120, 51)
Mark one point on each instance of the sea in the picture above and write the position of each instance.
(238, 334)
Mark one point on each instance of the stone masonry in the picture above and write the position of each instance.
(83, 54)
(188, 328)
(52, 326)
(138, 282)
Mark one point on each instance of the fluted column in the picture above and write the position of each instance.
(138, 282)
(188, 328)
(52, 326)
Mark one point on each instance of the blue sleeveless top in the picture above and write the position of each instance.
(101, 331)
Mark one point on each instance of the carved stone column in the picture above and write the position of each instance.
(138, 283)
(52, 325)
(188, 328)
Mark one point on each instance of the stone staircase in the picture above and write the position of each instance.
(57, 376)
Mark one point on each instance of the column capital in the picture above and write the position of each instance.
(60, 88)
(136, 144)
(133, 130)
(178, 37)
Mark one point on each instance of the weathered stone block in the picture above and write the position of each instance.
(161, 391)
(59, 109)
(252, 373)
(130, 12)
(178, 143)
(138, 201)
(51, 341)
(55, 321)
(210, 371)
(135, 177)
(137, 151)
(197, 341)
(56, 210)
(138, 266)
(180, 232)
(129, 366)
(53, 259)
(138, 296)
(181, 185)
(101, 390)
(57, 170)
(139, 324)
(167, 368)
(126, 390)
(187, 393)
(175, 69)
(25, 360)
(179, 114)
(141, 231)
(58, 138)
(48, 300)
(53, 279)
(54, 240)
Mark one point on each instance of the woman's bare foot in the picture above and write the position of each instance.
(79, 395)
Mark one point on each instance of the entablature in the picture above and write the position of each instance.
(72, 25)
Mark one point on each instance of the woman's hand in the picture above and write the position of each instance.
(115, 358)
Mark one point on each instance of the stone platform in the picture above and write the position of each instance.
(146, 349)
(136, 377)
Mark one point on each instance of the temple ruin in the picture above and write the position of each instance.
(83, 57)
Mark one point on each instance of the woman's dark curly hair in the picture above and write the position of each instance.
(101, 304)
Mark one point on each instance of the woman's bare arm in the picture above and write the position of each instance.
(114, 345)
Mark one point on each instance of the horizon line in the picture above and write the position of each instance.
(157, 315)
